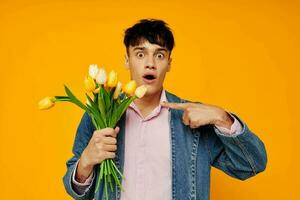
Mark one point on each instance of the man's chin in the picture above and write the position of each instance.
(152, 91)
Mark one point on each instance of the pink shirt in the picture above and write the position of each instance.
(147, 154)
(147, 166)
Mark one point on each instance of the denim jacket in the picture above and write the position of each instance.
(193, 151)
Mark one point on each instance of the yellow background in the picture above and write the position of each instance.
(240, 55)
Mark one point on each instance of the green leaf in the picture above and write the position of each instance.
(97, 116)
(118, 110)
(95, 107)
(74, 99)
(93, 120)
(111, 93)
(106, 98)
(121, 109)
(101, 106)
(110, 116)
(113, 118)
(96, 97)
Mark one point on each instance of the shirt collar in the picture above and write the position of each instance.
(156, 111)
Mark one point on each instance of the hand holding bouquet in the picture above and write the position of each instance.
(106, 102)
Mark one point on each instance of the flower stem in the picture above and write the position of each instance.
(100, 176)
(105, 180)
(112, 162)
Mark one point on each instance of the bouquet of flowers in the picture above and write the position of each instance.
(106, 102)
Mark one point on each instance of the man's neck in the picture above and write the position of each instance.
(148, 103)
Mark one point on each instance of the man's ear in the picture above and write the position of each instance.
(169, 64)
(126, 63)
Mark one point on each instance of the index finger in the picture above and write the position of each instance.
(108, 131)
(177, 106)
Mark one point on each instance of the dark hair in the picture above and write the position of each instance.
(153, 30)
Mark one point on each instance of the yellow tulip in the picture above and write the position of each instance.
(96, 91)
(112, 79)
(89, 84)
(46, 103)
(117, 90)
(140, 91)
(88, 102)
(129, 88)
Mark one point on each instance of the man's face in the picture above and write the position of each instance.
(148, 64)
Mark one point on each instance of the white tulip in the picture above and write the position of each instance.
(93, 70)
(140, 91)
(101, 76)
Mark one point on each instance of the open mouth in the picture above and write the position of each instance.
(149, 78)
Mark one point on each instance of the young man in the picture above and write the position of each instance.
(165, 146)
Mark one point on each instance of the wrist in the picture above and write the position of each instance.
(223, 119)
(83, 171)
(84, 162)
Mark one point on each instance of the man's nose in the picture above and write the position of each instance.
(150, 63)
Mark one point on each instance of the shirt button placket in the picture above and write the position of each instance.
(140, 176)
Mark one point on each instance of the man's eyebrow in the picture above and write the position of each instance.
(138, 48)
(162, 49)
(143, 48)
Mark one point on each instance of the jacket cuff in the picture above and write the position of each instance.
(81, 188)
(87, 182)
(237, 128)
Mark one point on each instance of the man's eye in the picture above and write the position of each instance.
(140, 55)
(160, 55)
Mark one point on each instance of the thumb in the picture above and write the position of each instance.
(117, 129)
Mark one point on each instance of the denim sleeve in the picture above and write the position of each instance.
(80, 188)
(240, 156)
(83, 135)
